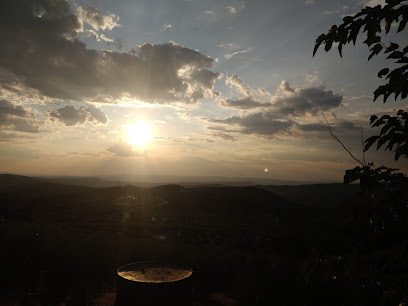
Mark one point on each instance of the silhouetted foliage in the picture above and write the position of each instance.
(375, 263)
(394, 129)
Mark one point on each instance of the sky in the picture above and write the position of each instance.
(184, 87)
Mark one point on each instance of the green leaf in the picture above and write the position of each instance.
(383, 72)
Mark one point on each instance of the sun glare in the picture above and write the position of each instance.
(139, 133)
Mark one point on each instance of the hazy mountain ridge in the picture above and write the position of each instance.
(144, 181)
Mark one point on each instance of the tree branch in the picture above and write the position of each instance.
(339, 141)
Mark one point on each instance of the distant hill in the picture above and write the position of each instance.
(12, 179)
(143, 181)
(317, 195)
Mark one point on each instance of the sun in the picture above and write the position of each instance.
(139, 133)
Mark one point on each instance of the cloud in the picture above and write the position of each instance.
(224, 136)
(91, 33)
(228, 56)
(231, 9)
(206, 78)
(70, 116)
(166, 26)
(373, 3)
(14, 137)
(236, 7)
(288, 111)
(309, 2)
(93, 17)
(244, 103)
(227, 45)
(264, 124)
(105, 38)
(209, 12)
(285, 88)
(268, 125)
(306, 101)
(59, 65)
(124, 149)
(15, 117)
(239, 84)
(294, 102)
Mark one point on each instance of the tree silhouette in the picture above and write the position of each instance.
(385, 191)
(394, 129)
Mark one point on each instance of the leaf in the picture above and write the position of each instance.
(398, 153)
(370, 141)
(396, 54)
(378, 92)
(385, 129)
(375, 50)
(391, 47)
(386, 95)
(402, 24)
(403, 60)
(383, 72)
(328, 45)
(383, 140)
(348, 19)
(340, 48)
(372, 39)
(378, 122)
(319, 41)
(373, 118)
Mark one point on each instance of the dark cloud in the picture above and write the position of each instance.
(69, 115)
(312, 127)
(206, 78)
(41, 50)
(124, 149)
(307, 101)
(224, 136)
(244, 103)
(265, 124)
(295, 102)
(15, 117)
